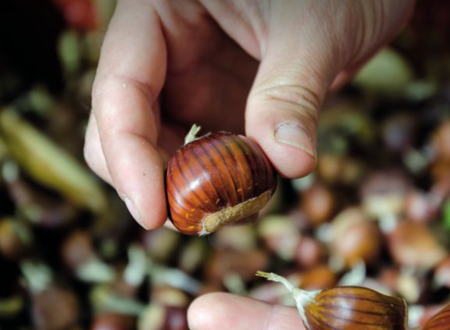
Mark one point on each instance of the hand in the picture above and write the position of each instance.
(168, 64)
(259, 65)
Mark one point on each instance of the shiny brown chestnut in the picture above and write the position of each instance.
(441, 321)
(346, 307)
(216, 180)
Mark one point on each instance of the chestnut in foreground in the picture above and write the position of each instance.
(441, 321)
(216, 180)
(346, 307)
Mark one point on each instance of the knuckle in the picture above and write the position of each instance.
(295, 98)
(112, 84)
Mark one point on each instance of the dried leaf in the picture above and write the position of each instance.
(50, 165)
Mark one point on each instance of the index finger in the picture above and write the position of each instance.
(129, 79)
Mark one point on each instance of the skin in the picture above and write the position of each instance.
(246, 66)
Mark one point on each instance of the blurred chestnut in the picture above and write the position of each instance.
(280, 235)
(167, 310)
(441, 141)
(389, 277)
(391, 181)
(239, 237)
(413, 287)
(318, 203)
(192, 255)
(77, 250)
(12, 245)
(112, 321)
(216, 180)
(309, 252)
(242, 263)
(39, 206)
(412, 244)
(55, 308)
(421, 206)
(383, 193)
(160, 317)
(442, 273)
(338, 169)
(360, 242)
(398, 132)
(316, 278)
(168, 296)
(78, 253)
(355, 238)
(160, 244)
(440, 190)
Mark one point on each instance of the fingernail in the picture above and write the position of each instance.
(295, 136)
(133, 210)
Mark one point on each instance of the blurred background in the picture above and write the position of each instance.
(376, 212)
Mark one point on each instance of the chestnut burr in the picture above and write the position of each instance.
(216, 180)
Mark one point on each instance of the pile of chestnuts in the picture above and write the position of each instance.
(361, 243)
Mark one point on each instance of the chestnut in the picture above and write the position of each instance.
(442, 273)
(309, 252)
(112, 321)
(162, 317)
(441, 140)
(441, 321)
(414, 245)
(223, 263)
(345, 307)
(318, 203)
(12, 243)
(215, 180)
(316, 278)
(55, 308)
(363, 238)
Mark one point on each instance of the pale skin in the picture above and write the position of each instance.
(258, 67)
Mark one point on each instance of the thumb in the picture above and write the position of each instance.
(282, 116)
(284, 104)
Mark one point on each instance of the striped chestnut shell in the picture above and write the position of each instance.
(441, 321)
(345, 307)
(216, 180)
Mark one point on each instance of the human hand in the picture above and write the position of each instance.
(167, 64)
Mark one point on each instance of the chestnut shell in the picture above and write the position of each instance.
(215, 180)
(441, 321)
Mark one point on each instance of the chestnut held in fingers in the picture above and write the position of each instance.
(441, 321)
(346, 307)
(216, 180)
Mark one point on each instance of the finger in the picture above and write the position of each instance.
(129, 78)
(295, 73)
(225, 311)
(93, 152)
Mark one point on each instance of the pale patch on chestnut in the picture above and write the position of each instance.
(216, 180)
